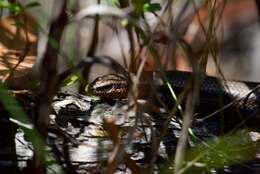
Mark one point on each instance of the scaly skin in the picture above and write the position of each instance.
(213, 91)
(110, 86)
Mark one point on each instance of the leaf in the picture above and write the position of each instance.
(4, 4)
(19, 117)
(32, 4)
(139, 4)
(16, 8)
(115, 3)
(224, 151)
(151, 7)
(73, 79)
(124, 22)
(12, 105)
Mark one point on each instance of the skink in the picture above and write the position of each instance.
(215, 94)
